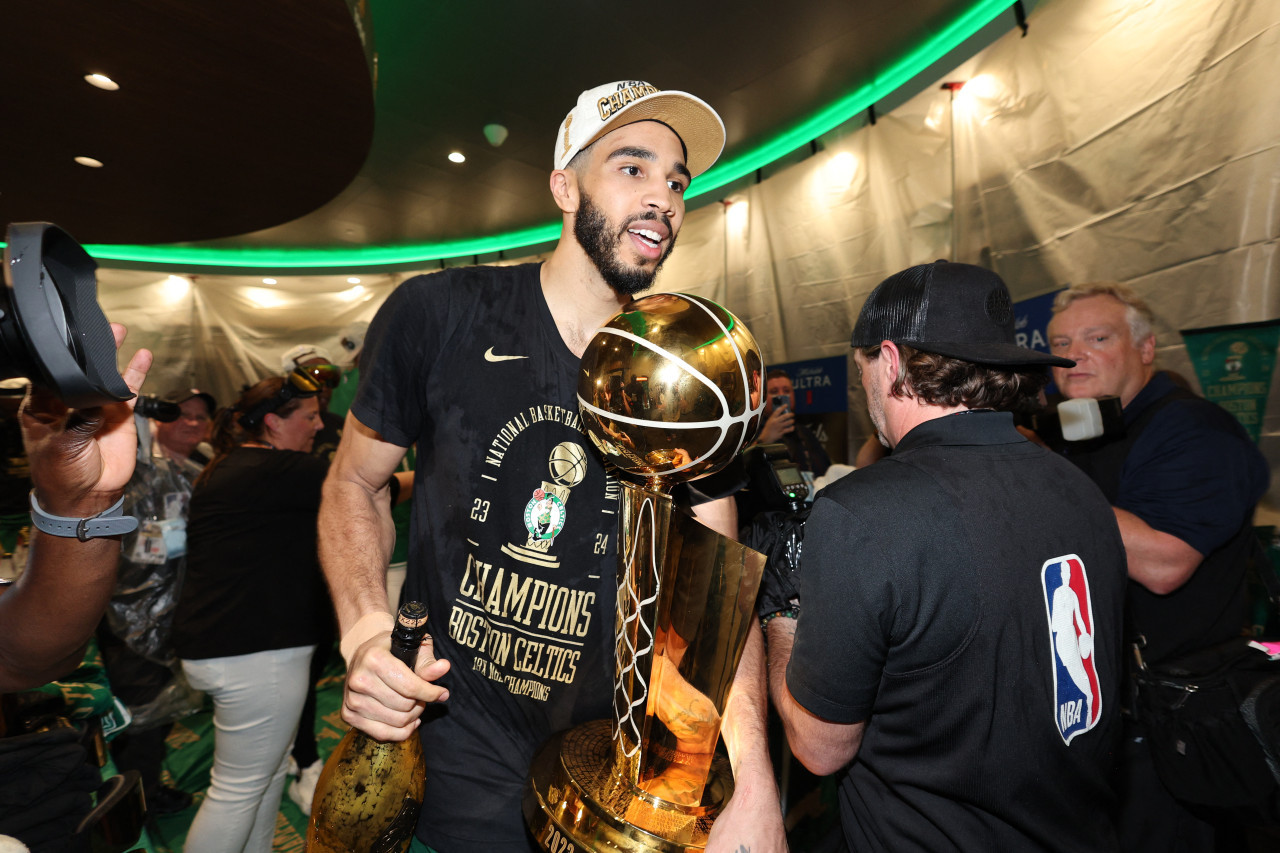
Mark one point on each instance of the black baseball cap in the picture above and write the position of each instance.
(957, 310)
(182, 395)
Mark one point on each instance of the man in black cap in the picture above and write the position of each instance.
(135, 634)
(953, 643)
(180, 439)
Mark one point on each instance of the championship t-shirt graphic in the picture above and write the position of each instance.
(519, 610)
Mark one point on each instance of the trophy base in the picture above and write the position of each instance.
(578, 802)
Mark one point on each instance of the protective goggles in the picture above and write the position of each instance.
(299, 382)
(323, 375)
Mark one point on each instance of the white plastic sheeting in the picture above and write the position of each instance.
(1133, 140)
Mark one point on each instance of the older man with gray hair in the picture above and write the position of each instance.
(1183, 480)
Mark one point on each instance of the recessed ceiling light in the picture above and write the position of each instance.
(353, 280)
(102, 81)
(268, 281)
(90, 162)
(457, 157)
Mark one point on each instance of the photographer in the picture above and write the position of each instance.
(780, 426)
(80, 462)
(135, 637)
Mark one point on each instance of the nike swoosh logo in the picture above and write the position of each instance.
(489, 356)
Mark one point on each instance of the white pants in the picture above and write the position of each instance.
(256, 702)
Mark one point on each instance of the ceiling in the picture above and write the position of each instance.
(250, 131)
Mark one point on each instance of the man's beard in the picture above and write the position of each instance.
(875, 408)
(601, 243)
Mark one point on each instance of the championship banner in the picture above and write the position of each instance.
(1234, 364)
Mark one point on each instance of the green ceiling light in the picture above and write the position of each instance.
(837, 113)
(345, 258)
(406, 255)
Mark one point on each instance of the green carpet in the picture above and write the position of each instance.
(812, 821)
(190, 757)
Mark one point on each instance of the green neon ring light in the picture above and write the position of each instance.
(370, 258)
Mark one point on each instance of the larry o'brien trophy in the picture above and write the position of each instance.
(669, 389)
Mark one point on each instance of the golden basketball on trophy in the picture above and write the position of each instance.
(670, 389)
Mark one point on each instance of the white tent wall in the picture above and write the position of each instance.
(220, 333)
(1128, 140)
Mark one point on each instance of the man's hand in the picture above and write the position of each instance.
(383, 698)
(781, 422)
(81, 459)
(80, 463)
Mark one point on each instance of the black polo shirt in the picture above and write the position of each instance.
(933, 608)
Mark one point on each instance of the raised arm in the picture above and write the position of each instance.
(382, 697)
(752, 821)
(80, 462)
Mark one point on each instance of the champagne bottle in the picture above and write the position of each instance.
(370, 792)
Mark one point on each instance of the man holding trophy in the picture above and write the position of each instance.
(515, 533)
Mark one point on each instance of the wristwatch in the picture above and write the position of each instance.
(110, 522)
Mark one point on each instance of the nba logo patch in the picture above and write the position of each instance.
(1077, 694)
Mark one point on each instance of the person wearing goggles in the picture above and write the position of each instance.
(251, 545)
(313, 363)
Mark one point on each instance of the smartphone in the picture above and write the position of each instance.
(781, 401)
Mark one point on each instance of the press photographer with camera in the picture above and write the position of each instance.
(780, 426)
(1183, 479)
(135, 636)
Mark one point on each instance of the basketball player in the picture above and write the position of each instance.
(513, 542)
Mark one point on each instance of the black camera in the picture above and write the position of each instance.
(781, 402)
(156, 409)
(52, 330)
(1082, 419)
(776, 482)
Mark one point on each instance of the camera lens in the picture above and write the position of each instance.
(159, 410)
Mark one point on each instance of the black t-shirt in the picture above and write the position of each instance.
(253, 579)
(933, 607)
(513, 533)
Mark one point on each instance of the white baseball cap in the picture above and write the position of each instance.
(613, 105)
(352, 340)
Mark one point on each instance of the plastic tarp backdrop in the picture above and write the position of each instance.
(1124, 140)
